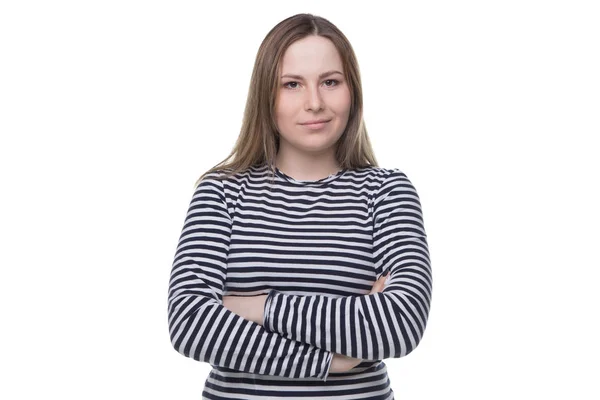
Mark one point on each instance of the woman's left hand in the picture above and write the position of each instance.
(247, 307)
(379, 284)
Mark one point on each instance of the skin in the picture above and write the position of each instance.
(306, 154)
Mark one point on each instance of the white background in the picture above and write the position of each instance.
(110, 111)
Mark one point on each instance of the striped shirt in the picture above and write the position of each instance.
(316, 248)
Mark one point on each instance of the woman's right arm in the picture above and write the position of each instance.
(342, 363)
(200, 327)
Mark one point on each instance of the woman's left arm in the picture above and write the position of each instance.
(389, 324)
(247, 307)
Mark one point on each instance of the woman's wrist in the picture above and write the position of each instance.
(335, 364)
(259, 309)
(247, 307)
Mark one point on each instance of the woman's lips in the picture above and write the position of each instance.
(316, 126)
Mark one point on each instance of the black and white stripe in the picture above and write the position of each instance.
(316, 247)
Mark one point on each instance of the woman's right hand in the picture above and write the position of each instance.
(342, 363)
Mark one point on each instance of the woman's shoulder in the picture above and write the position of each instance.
(228, 174)
(379, 173)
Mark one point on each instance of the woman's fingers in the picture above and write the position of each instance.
(379, 285)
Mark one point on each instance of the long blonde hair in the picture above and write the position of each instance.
(258, 141)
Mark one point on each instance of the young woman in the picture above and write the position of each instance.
(279, 276)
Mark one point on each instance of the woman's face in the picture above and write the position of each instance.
(307, 92)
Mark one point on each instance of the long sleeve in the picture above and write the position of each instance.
(200, 327)
(376, 326)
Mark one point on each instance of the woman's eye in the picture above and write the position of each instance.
(296, 83)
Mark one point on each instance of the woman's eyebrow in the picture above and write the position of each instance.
(324, 74)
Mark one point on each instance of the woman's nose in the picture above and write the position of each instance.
(314, 101)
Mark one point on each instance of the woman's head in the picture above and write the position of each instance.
(311, 87)
(273, 110)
